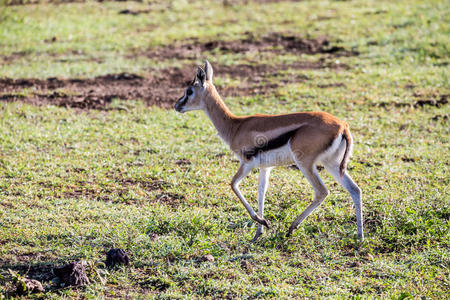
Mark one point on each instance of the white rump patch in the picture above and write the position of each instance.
(334, 153)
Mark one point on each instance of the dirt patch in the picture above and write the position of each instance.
(69, 56)
(440, 117)
(183, 162)
(39, 271)
(275, 42)
(80, 192)
(436, 101)
(134, 12)
(329, 85)
(163, 87)
(442, 100)
(119, 186)
(227, 3)
(160, 88)
(368, 164)
(29, 257)
(13, 56)
(148, 185)
(408, 159)
(155, 284)
(94, 93)
(171, 199)
(254, 79)
(204, 258)
(29, 2)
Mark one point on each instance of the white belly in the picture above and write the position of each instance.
(277, 157)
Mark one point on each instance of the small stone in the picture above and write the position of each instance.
(207, 257)
(246, 265)
(117, 257)
(28, 286)
(73, 274)
(182, 162)
(153, 237)
(355, 264)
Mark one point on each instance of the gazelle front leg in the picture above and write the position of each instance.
(264, 174)
(243, 171)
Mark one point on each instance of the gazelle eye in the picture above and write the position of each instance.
(189, 92)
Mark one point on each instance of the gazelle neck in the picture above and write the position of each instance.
(219, 114)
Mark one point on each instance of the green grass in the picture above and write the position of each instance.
(73, 184)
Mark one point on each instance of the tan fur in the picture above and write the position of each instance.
(318, 129)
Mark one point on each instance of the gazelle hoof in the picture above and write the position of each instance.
(265, 223)
(291, 229)
(257, 235)
(262, 221)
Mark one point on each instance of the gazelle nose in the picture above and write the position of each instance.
(177, 106)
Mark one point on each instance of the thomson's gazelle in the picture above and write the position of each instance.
(266, 141)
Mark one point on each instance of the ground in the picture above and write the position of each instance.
(92, 157)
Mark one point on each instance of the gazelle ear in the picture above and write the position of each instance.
(208, 70)
(201, 76)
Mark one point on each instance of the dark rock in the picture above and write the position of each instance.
(73, 274)
(246, 265)
(26, 286)
(183, 161)
(117, 257)
(153, 237)
(354, 264)
(408, 159)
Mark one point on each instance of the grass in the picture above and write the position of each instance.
(74, 184)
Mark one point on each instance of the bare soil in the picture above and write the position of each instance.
(30, 2)
(163, 87)
(224, 2)
(41, 271)
(271, 42)
(435, 100)
(170, 199)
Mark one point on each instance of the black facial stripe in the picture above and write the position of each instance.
(189, 91)
(270, 145)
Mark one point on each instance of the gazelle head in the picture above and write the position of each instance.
(194, 95)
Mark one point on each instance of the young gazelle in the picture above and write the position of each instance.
(265, 141)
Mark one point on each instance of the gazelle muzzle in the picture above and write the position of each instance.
(180, 103)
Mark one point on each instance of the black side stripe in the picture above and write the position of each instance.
(270, 145)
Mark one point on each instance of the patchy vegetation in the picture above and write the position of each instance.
(161, 87)
(93, 158)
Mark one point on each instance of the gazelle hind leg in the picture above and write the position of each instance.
(355, 192)
(320, 191)
(264, 174)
